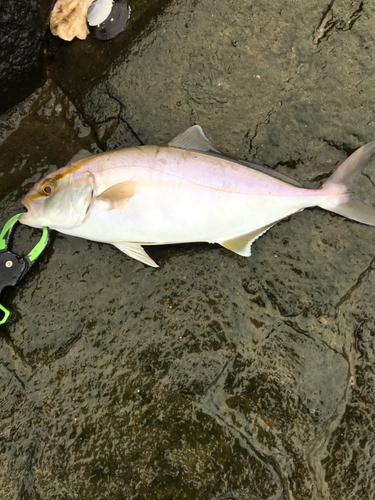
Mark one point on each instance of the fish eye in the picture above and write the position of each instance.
(48, 188)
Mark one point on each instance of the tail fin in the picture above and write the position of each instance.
(346, 176)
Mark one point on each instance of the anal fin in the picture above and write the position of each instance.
(135, 251)
(242, 244)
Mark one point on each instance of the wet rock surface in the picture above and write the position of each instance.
(23, 26)
(214, 376)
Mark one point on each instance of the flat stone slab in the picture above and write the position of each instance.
(214, 376)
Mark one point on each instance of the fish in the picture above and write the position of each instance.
(182, 192)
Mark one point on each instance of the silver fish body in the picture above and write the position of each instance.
(185, 191)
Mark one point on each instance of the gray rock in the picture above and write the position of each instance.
(23, 27)
(214, 376)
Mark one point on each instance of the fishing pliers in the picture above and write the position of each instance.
(13, 267)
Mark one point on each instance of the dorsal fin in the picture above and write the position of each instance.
(193, 138)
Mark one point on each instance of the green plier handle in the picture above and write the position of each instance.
(13, 267)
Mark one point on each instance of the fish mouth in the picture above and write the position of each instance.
(25, 203)
(28, 217)
(32, 206)
(28, 205)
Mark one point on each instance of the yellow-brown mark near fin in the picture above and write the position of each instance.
(75, 166)
(118, 194)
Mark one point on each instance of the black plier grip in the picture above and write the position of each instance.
(13, 267)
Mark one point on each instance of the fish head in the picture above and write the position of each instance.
(61, 200)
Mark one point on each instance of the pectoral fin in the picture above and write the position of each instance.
(135, 251)
(242, 244)
(119, 194)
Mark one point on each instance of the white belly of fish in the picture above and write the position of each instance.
(186, 215)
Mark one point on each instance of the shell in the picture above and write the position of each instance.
(68, 19)
(107, 18)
